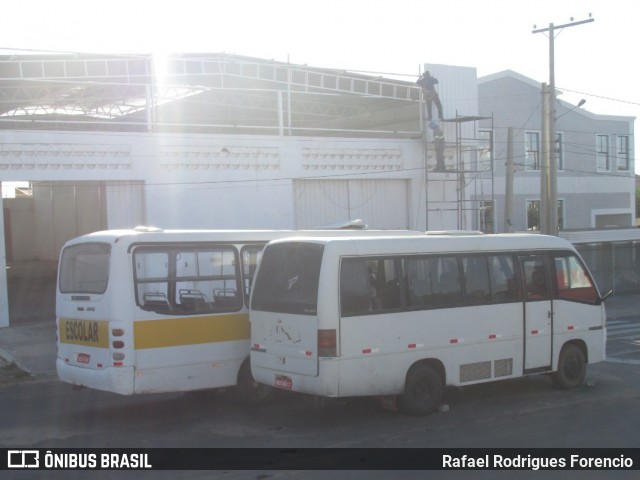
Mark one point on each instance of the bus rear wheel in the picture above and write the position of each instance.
(250, 392)
(423, 391)
(572, 367)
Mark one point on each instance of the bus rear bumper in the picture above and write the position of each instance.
(326, 384)
(111, 379)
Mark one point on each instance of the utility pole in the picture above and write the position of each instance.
(548, 175)
(545, 165)
(508, 201)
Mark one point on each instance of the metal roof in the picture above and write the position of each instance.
(210, 92)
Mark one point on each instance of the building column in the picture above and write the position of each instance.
(4, 297)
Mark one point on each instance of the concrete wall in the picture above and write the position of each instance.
(20, 229)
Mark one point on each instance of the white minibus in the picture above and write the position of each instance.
(406, 317)
(147, 310)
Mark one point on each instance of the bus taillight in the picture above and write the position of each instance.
(118, 359)
(327, 344)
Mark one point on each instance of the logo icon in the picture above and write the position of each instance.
(23, 459)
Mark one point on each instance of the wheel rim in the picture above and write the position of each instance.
(423, 392)
(572, 367)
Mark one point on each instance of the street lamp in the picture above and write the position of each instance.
(580, 103)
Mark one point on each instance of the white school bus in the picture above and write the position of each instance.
(147, 310)
(405, 317)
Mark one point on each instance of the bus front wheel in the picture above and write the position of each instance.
(572, 367)
(423, 391)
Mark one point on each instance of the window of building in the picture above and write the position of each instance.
(560, 214)
(559, 150)
(485, 216)
(622, 153)
(532, 151)
(602, 152)
(485, 152)
(533, 215)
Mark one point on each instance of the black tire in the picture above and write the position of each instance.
(249, 391)
(423, 391)
(572, 367)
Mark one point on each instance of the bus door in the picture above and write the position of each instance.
(284, 311)
(538, 313)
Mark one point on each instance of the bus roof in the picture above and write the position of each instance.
(153, 235)
(435, 243)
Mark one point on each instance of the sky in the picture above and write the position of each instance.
(596, 61)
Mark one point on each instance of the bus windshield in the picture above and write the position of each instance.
(84, 268)
(288, 279)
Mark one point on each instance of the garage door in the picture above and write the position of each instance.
(382, 204)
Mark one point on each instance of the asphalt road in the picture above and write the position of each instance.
(520, 413)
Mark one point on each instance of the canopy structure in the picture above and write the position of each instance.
(212, 93)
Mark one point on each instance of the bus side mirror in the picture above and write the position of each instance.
(605, 296)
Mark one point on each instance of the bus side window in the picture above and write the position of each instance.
(573, 281)
(156, 301)
(433, 282)
(504, 283)
(476, 276)
(194, 301)
(207, 280)
(250, 258)
(389, 284)
(447, 291)
(357, 294)
(535, 279)
(419, 282)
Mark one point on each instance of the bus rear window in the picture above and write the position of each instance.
(84, 268)
(288, 277)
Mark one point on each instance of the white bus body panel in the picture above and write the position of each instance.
(376, 351)
(286, 343)
(375, 363)
(578, 321)
(111, 379)
(189, 367)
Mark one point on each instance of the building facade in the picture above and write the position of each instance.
(220, 141)
(594, 154)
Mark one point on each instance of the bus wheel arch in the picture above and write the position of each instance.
(572, 365)
(249, 391)
(424, 388)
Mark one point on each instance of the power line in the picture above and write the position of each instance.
(629, 102)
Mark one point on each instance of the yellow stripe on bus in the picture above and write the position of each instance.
(173, 332)
(91, 333)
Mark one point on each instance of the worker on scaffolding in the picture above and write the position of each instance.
(427, 83)
(439, 144)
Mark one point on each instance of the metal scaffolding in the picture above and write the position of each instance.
(468, 172)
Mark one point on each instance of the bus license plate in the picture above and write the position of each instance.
(284, 382)
(83, 358)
